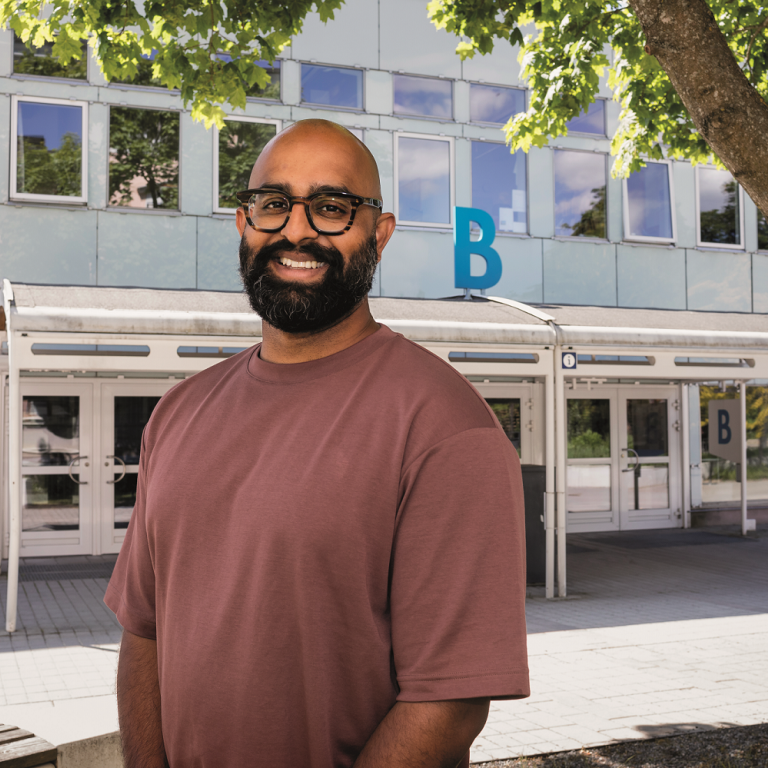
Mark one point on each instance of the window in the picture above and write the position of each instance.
(272, 89)
(332, 86)
(424, 184)
(238, 145)
(579, 194)
(42, 63)
(48, 161)
(592, 121)
(648, 204)
(423, 96)
(499, 185)
(762, 232)
(143, 158)
(720, 210)
(494, 104)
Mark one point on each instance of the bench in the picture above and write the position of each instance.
(22, 749)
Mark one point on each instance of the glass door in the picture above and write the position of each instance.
(649, 434)
(591, 478)
(56, 469)
(125, 411)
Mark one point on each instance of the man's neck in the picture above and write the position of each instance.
(280, 347)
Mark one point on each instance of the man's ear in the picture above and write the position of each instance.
(240, 221)
(385, 227)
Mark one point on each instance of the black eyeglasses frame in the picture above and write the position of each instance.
(356, 201)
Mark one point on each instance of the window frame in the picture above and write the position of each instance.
(495, 85)
(411, 116)
(577, 238)
(128, 209)
(595, 136)
(450, 140)
(717, 246)
(500, 232)
(237, 119)
(54, 199)
(630, 238)
(315, 105)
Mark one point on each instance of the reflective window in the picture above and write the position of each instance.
(143, 158)
(579, 194)
(240, 143)
(649, 203)
(424, 180)
(589, 429)
(272, 89)
(589, 487)
(499, 185)
(494, 103)
(762, 232)
(332, 86)
(592, 121)
(507, 411)
(719, 207)
(41, 61)
(49, 149)
(424, 96)
(647, 427)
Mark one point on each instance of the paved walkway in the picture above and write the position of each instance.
(662, 632)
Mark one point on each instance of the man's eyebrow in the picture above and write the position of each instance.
(314, 188)
(278, 186)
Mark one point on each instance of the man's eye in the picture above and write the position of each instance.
(274, 204)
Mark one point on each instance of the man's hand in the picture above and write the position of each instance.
(428, 734)
(138, 703)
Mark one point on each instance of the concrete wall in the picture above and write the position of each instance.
(196, 248)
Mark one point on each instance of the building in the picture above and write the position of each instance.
(677, 255)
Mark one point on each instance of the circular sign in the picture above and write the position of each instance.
(569, 360)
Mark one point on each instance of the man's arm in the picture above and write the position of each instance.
(428, 734)
(138, 703)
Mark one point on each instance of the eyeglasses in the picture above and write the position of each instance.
(328, 213)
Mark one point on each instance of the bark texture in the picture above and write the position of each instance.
(727, 110)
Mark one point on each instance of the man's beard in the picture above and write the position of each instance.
(295, 307)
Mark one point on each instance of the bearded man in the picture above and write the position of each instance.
(325, 566)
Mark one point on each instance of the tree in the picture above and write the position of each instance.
(209, 51)
(692, 77)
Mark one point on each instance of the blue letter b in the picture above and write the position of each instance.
(463, 248)
(723, 428)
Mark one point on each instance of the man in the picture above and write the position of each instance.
(325, 565)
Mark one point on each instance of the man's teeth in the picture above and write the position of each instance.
(300, 264)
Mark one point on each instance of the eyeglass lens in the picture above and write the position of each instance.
(269, 210)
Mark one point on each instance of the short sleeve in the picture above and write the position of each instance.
(131, 591)
(458, 572)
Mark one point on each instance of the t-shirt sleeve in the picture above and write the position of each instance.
(131, 591)
(458, 572)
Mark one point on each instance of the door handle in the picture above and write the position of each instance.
(117, 479)
(71, 464)
(637, 460)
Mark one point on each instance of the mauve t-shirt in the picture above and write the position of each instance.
(312, 543)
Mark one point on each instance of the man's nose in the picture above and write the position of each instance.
(298, 227)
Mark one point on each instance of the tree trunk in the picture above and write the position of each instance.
(729, 113)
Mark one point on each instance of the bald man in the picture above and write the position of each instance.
(325, 565)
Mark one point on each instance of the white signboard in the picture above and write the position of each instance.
(725, 429)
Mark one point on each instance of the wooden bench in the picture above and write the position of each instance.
(22, 749)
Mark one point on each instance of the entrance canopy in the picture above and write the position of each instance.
(550, 355)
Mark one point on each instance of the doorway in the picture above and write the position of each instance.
(623, 471)
(80, 461)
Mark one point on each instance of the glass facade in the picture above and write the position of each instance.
(424, 180)
(49, 149)
(719, 208)
(423, 96)
(494, 103)
(649, 203)
(240, 143)
(499, 185)
(762, 232)
(143, 158)
(332, 86)
(580, 190)
(591, 122)
(41, 62)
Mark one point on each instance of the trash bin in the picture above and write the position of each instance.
(534, 487)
